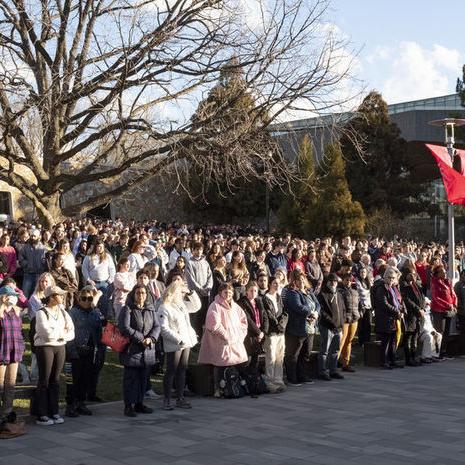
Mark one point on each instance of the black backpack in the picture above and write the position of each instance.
(232, 384)
(256, 384)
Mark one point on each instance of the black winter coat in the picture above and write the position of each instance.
(386, 314)
(332, 309)
(253, 331)
(414, 301)
(276, 321)
(138, 324)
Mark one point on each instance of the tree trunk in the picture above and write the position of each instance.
(49, 210)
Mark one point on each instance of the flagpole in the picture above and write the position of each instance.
(449, 125)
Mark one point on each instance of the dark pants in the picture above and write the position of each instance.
(410, 345)
(364, 327)
(50, 361)
(134, 383)
(175, 370)
(198, 318)
(297, 355)
(388, 348)
(94, 373)
(441, 324)
(81, 368)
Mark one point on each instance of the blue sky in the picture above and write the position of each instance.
(409, 49)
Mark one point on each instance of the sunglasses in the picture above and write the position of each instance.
(87, 298)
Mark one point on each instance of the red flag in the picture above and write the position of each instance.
(454, 182)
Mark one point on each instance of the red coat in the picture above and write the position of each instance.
(442, 295)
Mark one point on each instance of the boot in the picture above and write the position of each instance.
(71, 411)
(81, 409)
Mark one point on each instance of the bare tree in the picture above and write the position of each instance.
(101, 91)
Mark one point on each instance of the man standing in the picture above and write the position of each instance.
(199, 279)
(331, 321)
(32, 261)
(276, 258)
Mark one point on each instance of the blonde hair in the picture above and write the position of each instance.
(37, 291)
(172, 292)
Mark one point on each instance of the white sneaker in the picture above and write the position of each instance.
(58, 419)
(44, 421)
(152, 395)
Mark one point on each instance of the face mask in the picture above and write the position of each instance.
(12, 300)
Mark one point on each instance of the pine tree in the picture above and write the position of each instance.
(224, 198)
(381, 176)
(334, 211)
(294, 210)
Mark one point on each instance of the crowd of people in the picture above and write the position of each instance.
(220, 295)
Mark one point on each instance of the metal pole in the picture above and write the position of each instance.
(267, 208)
(450, 209)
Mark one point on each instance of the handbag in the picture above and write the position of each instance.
(112, 337)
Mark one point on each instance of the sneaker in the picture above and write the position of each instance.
(44, 421)
(348, 369)
(58, 419)
(217, 394)
(183, 403)
(324, 377)
(129, 412)
(336, 375)
(167, 405)
(152, 395)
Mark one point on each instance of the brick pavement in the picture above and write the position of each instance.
(374, 417)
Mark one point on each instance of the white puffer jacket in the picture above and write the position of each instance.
(175, 323)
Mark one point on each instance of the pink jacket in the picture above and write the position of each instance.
(225, 330)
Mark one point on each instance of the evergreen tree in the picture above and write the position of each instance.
(219, 196)
(334, 212)
(381, 176)
(294, 210)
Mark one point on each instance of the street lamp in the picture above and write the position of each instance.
(449, 125)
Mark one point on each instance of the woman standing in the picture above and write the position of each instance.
(11, 348)
(223, 340)
(178, 337)
(98, 269)
(137, 321)
(136, 258)
(124, 281)
(54, 328)
(443, 304)
(9, 253)
(257, 324)
(69, 262)
(64, 278)
(303, 310)
(274, 344)
(219, 275)
(238, 274)
(365, 307)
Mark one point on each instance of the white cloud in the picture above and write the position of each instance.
(411, 71)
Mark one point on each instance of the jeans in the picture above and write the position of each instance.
(388, 348)
(50, 360)
(175, 370)
(134, 384)
(329, 351)
(7, 387)
(29, 283)
(410, 345)
(81, 368)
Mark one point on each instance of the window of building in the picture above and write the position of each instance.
(5, 203)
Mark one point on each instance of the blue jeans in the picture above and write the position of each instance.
(329, 351)
(29, 283)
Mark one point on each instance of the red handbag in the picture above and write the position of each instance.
(112, 337)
